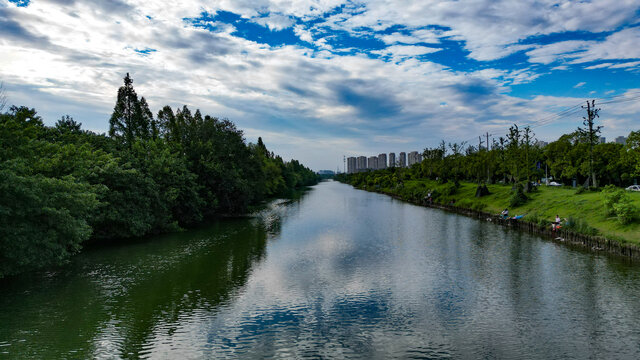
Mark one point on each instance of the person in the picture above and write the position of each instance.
(505, 213)
(556, 224)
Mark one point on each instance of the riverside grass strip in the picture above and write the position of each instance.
(545, 203)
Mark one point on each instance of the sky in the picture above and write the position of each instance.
(321, 79)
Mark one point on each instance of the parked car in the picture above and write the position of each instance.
(634, 188)
(553, 183)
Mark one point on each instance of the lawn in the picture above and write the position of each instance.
(544, 203)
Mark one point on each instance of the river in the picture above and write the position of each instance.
(337, 273)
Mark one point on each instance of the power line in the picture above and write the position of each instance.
(576, 109)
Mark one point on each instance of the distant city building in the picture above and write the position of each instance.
(392, 159)
(351, 165)
(361, 164)
(603, 139)
(621, 140)
(372, 163)
(541, 143)
(402, 160)
(382, 161)
(413, 158)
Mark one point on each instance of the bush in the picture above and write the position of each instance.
(538, 219)
(625, 210)
(612, 195)
(580, 226)
(518, 197)
(617, 203)
(449, 189)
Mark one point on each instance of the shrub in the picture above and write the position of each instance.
(518, 197)
(612, 195)
(580, 226)
(449, 189)
(617, 203)
(538, 219)
(625, 210)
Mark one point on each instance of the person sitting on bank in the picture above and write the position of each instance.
(505, 213)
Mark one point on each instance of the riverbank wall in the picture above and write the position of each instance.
(564, 236)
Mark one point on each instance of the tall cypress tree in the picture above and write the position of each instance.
(128, 121)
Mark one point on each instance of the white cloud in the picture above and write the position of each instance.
(578, 85)
(417, 36)
(275, 21)
(402, 51)
(71, 57)
(631, 64)
(599, 66)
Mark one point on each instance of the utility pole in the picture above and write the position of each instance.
(488, 160)
(590, 131)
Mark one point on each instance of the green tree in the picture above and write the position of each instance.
(128, 120)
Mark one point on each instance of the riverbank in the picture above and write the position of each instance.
(590, 226)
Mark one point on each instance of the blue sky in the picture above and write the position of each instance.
(319, 79)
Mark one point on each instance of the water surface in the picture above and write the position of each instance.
(337, 273)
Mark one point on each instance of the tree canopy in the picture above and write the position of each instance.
(63, 185)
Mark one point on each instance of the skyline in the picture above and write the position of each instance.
(321, 79)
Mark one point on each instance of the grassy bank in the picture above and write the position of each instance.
(585, 210)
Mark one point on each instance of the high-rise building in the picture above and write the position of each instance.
(382, 161)
(372, 163)
(351, 165)
(402, 159)
(541, 143)
(392, 159)
(413, 158)
(361, 164)
(621, 140)
(603, 139)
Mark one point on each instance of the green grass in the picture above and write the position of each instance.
(543, 205)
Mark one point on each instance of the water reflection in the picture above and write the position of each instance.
(118, 301)
(335, 273)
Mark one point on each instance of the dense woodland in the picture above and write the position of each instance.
(62, 185)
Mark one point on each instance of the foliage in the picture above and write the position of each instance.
(62, 185)
(611, 196)
(580, 226)
(618, 203)
(625, 211)
(518, 197)
(448, 189)
(42, 220)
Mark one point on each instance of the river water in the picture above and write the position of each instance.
(337, 273)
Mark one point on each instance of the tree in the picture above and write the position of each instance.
(513, 151)
(148, 128)
(590, 133)
(527, 143)
(43, 220)
(167, 127)
(128, 121)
